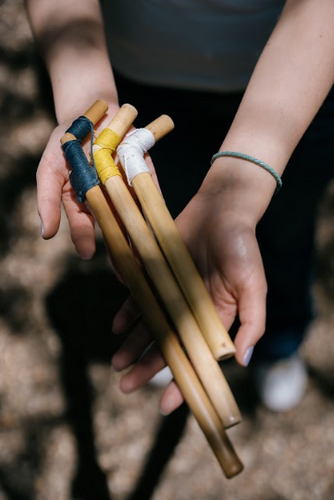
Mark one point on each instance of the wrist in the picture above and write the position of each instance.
(243, 188)
(251, 159)
(79, 76)
(73, 97)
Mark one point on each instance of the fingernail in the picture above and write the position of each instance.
(164, 414)
(168, 406)
(42, 229)
(112, 368)
(86, 254)
(248, 355)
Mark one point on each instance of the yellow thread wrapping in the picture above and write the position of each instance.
(104, 162)
(105, 165)
(108, 139)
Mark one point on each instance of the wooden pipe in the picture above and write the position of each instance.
(94, 114)
(182, 370)
(178, 256)
(176, 306)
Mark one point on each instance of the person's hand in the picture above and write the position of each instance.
(219, 231)
(54, 188)
(225, 249)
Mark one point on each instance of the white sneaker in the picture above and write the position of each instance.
(281, 385)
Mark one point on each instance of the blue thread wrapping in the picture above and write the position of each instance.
(260, 163)
(80, 128)
(83, 177)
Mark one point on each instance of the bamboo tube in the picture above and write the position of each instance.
(178, 256)
(123, 120)
(176, 306)
(96, 111)
(184, 375)
(94, 114)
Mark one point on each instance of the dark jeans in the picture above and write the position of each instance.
(286, 232)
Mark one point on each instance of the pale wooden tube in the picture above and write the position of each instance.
(180, 366)
(94, 114)
(96, 111)
(202, 358)
(178, 256)
(122, 120)
(161, 126)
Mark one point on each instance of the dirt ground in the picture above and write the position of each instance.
(66, 431)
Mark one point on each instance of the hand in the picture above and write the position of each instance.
(54, 188)
(224, 247)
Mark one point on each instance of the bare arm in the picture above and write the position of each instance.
(71, 38)
(289, 84)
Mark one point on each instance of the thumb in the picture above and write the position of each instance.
(49, 193)
(252, 315)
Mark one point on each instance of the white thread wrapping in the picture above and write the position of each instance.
(131, 152)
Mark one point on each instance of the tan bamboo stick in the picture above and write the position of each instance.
(178, 256)
(182, 370)
(176, 306)
(94, 114)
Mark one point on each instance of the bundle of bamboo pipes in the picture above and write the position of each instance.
(186, 327)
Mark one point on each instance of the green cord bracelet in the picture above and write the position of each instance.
(260, 163)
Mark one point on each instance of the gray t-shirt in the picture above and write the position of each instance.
(195, 44)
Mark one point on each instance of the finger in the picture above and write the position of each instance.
(132, 348)
(81, 225)
(141, 373)
(126, 316)
(171, 399)
(252, 315)
(49, 191)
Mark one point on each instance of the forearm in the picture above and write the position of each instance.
(71, 39)
(290, 82)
